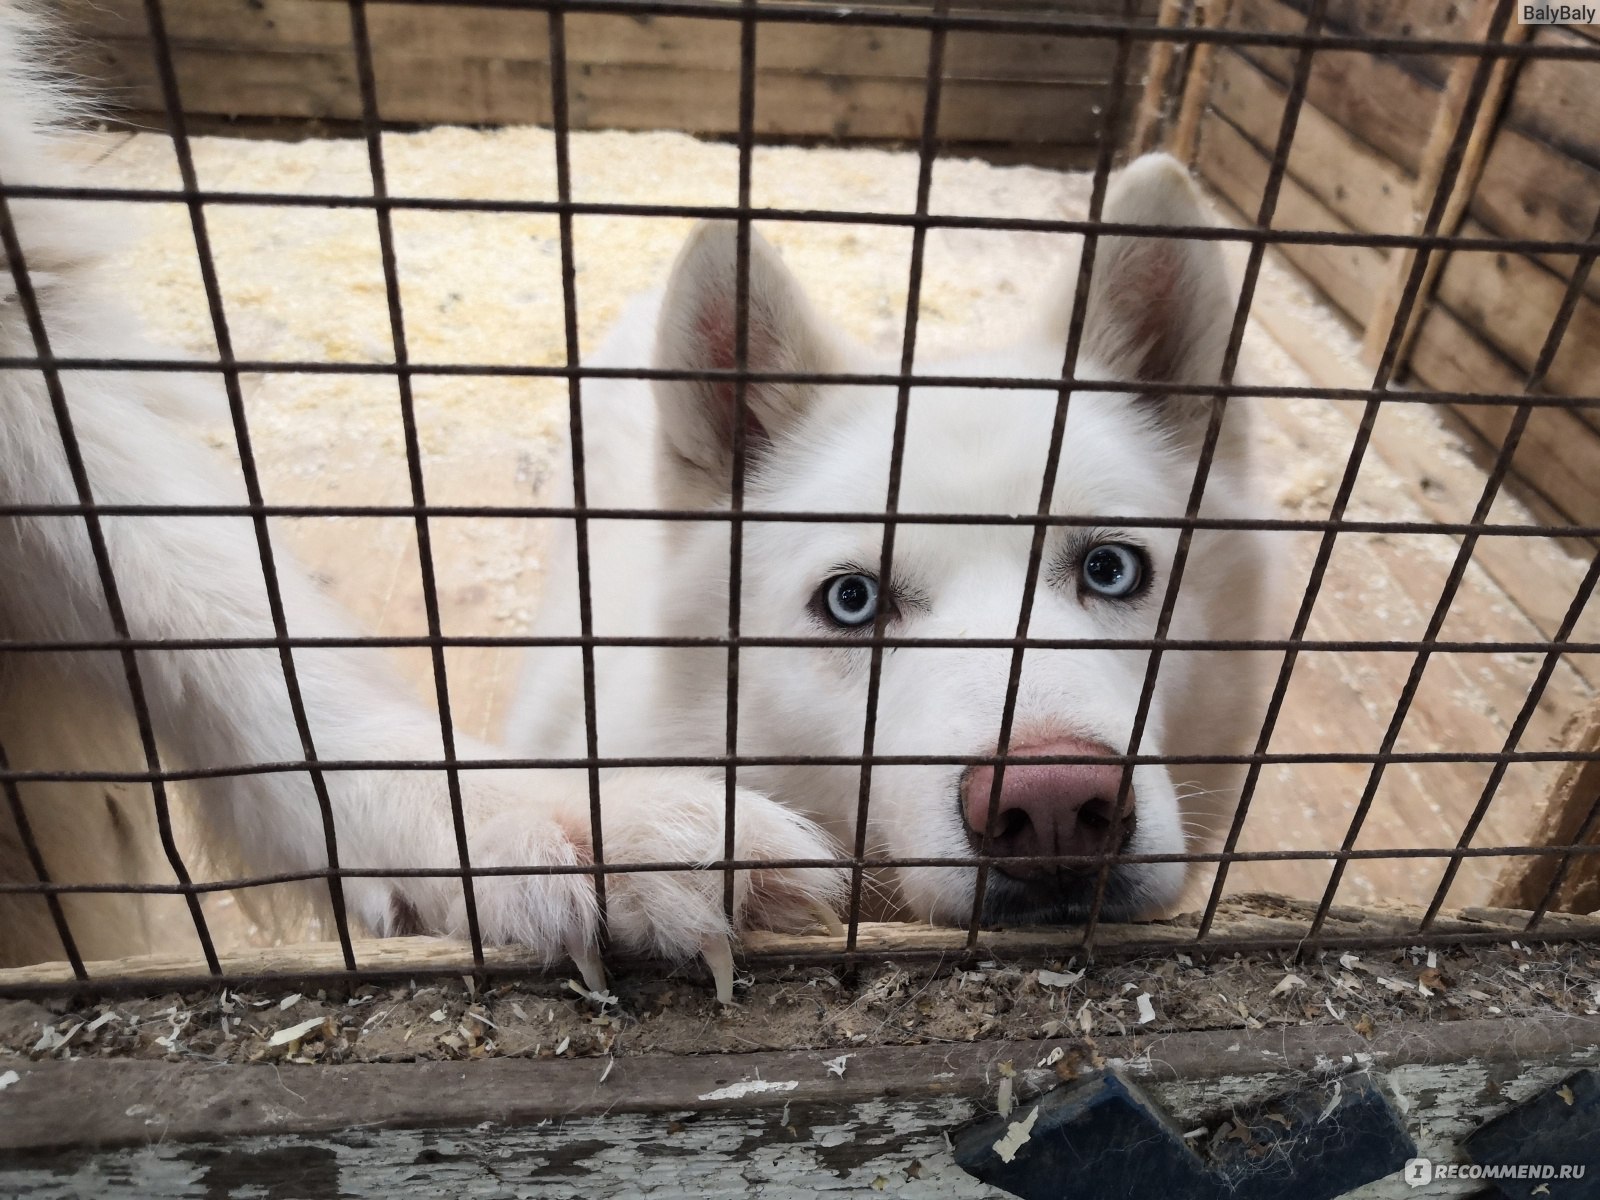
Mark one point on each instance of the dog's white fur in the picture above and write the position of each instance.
(201, 577)
(1159, 309)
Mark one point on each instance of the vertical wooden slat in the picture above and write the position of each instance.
(1575, 792)
(1147, 128)
(1446, 118)
(1209, 14)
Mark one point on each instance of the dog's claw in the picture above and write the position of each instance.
(827, 918)
(586, 957)
(718, 952)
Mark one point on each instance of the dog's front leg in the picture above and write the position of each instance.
(227, 711)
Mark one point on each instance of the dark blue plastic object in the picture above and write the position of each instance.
(1557, 1128)
(1103, 1138)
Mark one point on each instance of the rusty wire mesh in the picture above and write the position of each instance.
(1121, 36)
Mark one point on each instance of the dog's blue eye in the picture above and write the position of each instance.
(851, 600)
(1114, 570)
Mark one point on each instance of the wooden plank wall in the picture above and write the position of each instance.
(1360, 146)
(252, 60)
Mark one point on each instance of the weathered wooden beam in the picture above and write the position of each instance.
(292, 59)
(1284, 927)
(1237, 168)
(1559, 454)
(1158, 78)
(774, 1124)
(1522, 567)
(1209, 14)
(1370, 193)
(1375, 98)
(1575, 795)
(1430, 174)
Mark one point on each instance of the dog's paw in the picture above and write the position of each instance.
(553, 914)
(541, 819)
(660, 817)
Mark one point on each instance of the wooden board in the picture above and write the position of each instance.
(1376, 100)
(780, 1124)
(423, 89)
(307, 962)
(1369, 125)
(1529, 190)
(293, 59)
(1350, 275)
(1155, 103)
(1443, 185)
(1575, 795)
(1511, 301)
(298, 26)
(1559, 455)
(1365, 189)
(1536, 582)
(1554, 98)
(1441, 20)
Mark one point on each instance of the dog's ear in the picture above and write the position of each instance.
(697, 332)
(1159, 308)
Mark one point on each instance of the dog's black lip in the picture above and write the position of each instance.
(1064, 896)
(1063, 899)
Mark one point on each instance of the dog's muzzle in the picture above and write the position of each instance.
(1045, 810)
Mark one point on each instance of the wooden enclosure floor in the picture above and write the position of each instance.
(486, 288)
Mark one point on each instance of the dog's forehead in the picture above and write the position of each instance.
(978, 451)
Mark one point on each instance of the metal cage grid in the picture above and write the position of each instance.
(937, 19)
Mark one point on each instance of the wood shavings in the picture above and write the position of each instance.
(1016, 1136)
(1333, 1102)
(600, 999)
(1060, 979)
(718, 953)
(809, 1006)
(52, 1039)
(295, 1033)
(1287, 984)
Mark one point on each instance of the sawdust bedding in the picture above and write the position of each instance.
(807, 1007)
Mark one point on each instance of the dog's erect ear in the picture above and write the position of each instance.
(697, 332)
(1159, 308)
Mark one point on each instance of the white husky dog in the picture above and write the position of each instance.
(1159, 310)
(201, 577)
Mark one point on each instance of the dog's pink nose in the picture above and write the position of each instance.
(1051, 808)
